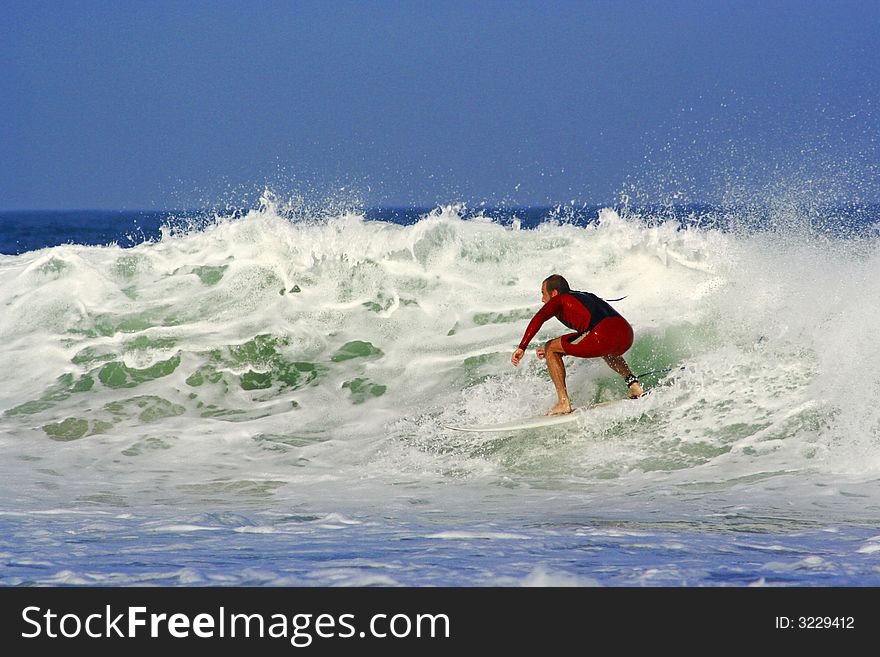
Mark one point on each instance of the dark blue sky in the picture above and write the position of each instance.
(180, 104)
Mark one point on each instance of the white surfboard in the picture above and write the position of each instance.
(535, 421)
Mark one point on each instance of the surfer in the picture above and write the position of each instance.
(599, 330)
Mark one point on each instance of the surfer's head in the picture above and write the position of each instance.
(551, 284)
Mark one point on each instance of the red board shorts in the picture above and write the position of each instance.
(610, 337)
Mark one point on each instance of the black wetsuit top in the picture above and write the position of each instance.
(579, 311)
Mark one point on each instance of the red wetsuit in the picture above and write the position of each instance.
(599, 329)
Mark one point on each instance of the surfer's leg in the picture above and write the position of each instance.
(553, 353)
(618, 364)
(609, 339)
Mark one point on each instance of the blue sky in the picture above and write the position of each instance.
(137, 105)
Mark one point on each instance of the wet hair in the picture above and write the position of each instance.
(556, 282)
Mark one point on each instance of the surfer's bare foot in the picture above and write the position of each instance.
(635, 390)
(561, 408)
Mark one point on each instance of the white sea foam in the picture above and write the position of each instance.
(312, 362)
(544, 577)
(470, 535)
(871, 545)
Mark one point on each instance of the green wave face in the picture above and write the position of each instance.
(314, 342)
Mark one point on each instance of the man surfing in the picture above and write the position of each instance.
(599, 330)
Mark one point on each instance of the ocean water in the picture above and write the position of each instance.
(257, 397)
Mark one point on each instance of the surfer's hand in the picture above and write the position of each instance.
(539, 352)
(517, 356)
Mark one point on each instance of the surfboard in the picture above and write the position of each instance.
(536, 421)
